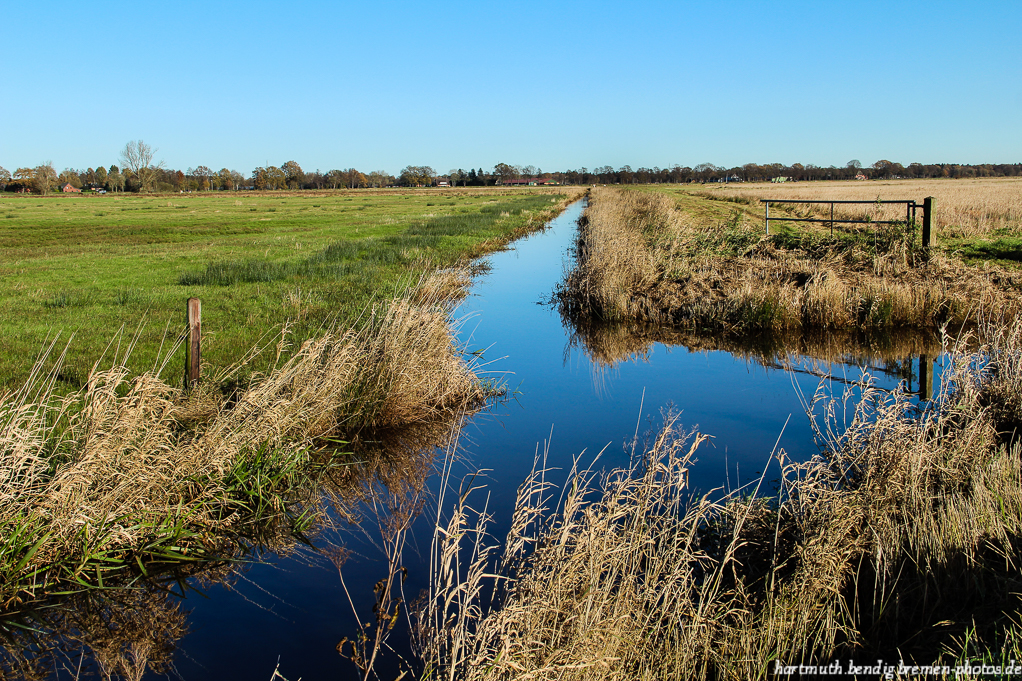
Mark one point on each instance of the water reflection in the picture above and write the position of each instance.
(374, 490)
(906, 356)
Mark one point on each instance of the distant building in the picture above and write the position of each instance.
(67, 188)
(860, 176)
(443, 182)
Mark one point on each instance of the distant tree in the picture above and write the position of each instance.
(417, 176)
(854, 164)
(293, 175)
(504, 172)
(137, 157)
(202, 176)
(5, 178)
(44, 178)
(882, 168)
(115, 180)
(381, 178)
(353, 179)
(270, 177)
(100, 175)
(225, 180)
(335, 178)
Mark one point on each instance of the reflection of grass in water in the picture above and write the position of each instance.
(132, 626)
(609, 343)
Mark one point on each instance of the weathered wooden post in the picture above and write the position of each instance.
(925, 377)
(193, 347)
(927, 220)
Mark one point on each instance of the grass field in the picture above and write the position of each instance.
(86, 266)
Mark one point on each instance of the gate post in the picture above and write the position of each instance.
(927, 220)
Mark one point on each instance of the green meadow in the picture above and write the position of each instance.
(89, 274)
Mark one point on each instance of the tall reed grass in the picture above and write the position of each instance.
(899, 541)
(94, 483)
(641, 257)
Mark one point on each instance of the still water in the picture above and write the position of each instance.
(574, 393)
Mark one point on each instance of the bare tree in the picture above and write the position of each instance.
(137, 157)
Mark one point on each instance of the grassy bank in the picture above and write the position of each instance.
(136, 624)
(128, 470)
(90, 265)
(900, 542)
(680, 259)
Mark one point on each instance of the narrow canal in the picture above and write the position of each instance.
(293, 607)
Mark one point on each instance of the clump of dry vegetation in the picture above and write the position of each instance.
(642, 257)
(98, 481)
(899, 541)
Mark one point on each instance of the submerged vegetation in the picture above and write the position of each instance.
(860, 553)
(650, 257)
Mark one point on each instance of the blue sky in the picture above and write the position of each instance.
(558, 85)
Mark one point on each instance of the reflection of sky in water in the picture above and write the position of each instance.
(296, 608)
(741, 404)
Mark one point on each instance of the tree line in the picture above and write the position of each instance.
(140, 172)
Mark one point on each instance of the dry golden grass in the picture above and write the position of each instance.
(901, 542)
(642, 256)
(964, 208)
(104, 471)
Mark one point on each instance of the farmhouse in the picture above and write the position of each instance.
(67, 188)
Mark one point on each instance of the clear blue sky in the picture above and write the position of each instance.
(559, 85)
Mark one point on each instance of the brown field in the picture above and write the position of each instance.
(964, 208)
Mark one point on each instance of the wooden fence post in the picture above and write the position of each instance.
(193, 346)
(927, 220)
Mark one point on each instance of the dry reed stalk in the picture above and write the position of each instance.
(104, 470)
(864, 551)
(640, 258)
